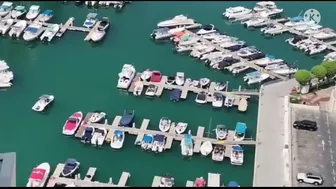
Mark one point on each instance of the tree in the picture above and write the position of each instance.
(319, 71)
(302, 77)
(330, 66)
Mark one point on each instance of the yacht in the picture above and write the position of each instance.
(151, 90)
(18, 28)
(179, 78)
(33, 31)
(3, 65)
(218, 152)
(100, 32)
(255, 77)
(293, 41)
(305, 44)
(313, 30)
(237, 155)
(239, 69)
(296, 21)
(264, 5)
(276, 66)
(236, 12)
(5, 8)
(33, 12)
(247, 51)
(330, 56)
(90, 20)
(229, 100)
(325, 33)
(18, 11)
(269, 59)
(187, 146)
(126, 76)
(187, 40)
(254, 22)
(316, 49)
(206, 29)
(271, 13)
(218, 100)
(5, 25)
(272, 29)
(201, 98)
(307, 26)
(179, 20)
(50, 32)
(240, 131)
(197, 52)
(231, 43)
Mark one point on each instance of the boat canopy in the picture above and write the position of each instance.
(127, 119)
(148, 138)
(296, 19)
(31, 29)
(92, 15)
(270, 57)
(175, 94)
(240, 127)
(35, 7)
(237, 148)
(20, 8)
(117, 132)
(47, 12)
(233, 184)
(159, 138)
(187, 139)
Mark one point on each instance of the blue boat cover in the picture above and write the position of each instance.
(175, 94)
(127, 120)
(296, 19)
(159, 138)
(237, 148)
(187, 139)
(233, 184)
(147, 138)
(270, 57)
(241, 127)
(117, 132)
(91, 15)
(47, 12)
(31, 29)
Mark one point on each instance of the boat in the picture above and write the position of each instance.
(293, 41)
(50, 32)
(204, 82)
(46, 15)
(201, 98)
(236, 12)
(90, 20)
(276, 66)
(100, 32)
(237, 155)
(138, 88)
(5, 8)
(255, 21)
(71, 166)
(160, 33)
(34, 10)
(206, 148)
(126, 76)
(313, 30)
(39, 175)
(326, 33)
(179, 20)
(247, 51)
(170, 80)
(7, 74)
(220, 86)
(255, 77)
(295, 21)
(232, 184)
(18, 28)
(240, 131)
(188, 40)
(18, 11)
(146, 75)
(164, 124)
(118, 139)
(330, 56)
(97, 117)
(71, 185)
(264, 5)
(33, 31)
(5, 25)
(272, 29)
(271, 13)
(180, 127)
(187, 146)
(166, 181)
(147, 142)
(200, 182)
(285, 71)
(127, 119)
(179, 79)
(99, 136)
(218, 152)
(156, 77)
(229, 99)
(158, 143)
(72, 123)
(91, 3)
(197, 52)
(88, 134)
(175, 95)
(239, 69)
(151, 90)
(206, 29)
(221, 132)
(268, 60)
(43, 102)
(307, 26)
(218, 100)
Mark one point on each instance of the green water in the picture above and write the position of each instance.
(83, 76)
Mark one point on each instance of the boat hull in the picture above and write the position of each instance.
(40, 183)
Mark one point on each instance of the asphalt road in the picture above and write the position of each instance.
(314, 151)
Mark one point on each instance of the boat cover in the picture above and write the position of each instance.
(147, 138)
(92, 15)
(240, 127)
(117, 132)
(20, 8)
(187, 139)
(31, 29)
(175, 94)
(47, 12)
(127, 120)
(233, 184)
(296, 19)
(34, 7)
(88, 130)
(237, 148)
(159, 138)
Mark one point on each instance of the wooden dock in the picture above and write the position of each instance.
(89, 35)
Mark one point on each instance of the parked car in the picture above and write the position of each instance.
(305, 125)
(309, 178)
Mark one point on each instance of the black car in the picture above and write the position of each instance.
(305, 125)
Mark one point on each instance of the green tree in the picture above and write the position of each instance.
(330, 66)
(302, 77)
(319, 71)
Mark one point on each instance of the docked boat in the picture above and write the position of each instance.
(255, 22)
(204, 82)
(295, 21)
(206, 148)
(325, 33)
(236, 12)
(46, 15)
(127, 119)
(313, 30)
(187, 145)
(79, 3)
(71, 166)
(50, 32)
(272, 29)
(39, 175)
(18, 11)
(151, 90)
(221, 132)
(330, 56)
(237, 155)
(201, 98)
(188, 40)
(206, 29)
(239, 69)
(126, 76)
(255, 77)
(240, 131)
(285, 71)
(276, 66)
(138, 88)
(218, 100)
(264, 5)
(166, 181)
(179, 20)
(268, 60)
(247, 52)
(87, 134)
(220, 86)
(170, 80)
(242, 105)
(159, 142)
(160, 33)
(200, 182)
(97, 116)
(90, 20)
(179, 78)
(99, 136)
(164, 124)
(147, 142)
(91, 3)
(7, 74)
(218, 152)
(296, 39)
(181, 127)
(233, 184)
(18, 28)
(33, 12)
(33, 31)
(156, 77)
(175, 95)
(72, 123)
(117, 139)
(307, 26)
(5, 25)
(100, 32)
(229, 99)
(5, 8)
(270, 13)
(146, 75)
(43, 102)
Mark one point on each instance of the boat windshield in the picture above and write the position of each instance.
(73, 119)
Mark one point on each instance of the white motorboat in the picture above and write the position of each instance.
(138, 88)
(214, 55)
(271, 13)
(218, 100)
(170, 80)
(285, 71)
(179, 20)
(146, 75)
(187, 146)
(147, 142)
(206, 29)
(307, 26)
(87, 135)
(197, 52)
(126, 76)
(34, 10)
(50, 32)
(7, 74)
(220, 86)
(255, 21)
(229, 100)
(272, 29)
(330, 56)
(180, 127)
(151, 90)
(201, 98)
(325, 33)
(100, 32)
(231, 43)
(5, 25)
(97, 117)
(236, 12)
(204, 82)
(187, 40)
(18, 28)
(99, 136)
(276, 66)
(305, 44)
(237, 155)
(46, 15)
(90, 3)
(164, 124)
(239, 69)
(184, 48)
(240, 131)
(166, 181)
(5, 8)
(118, 139)
(313, 30)
(43, 102)
(214, 37)
(268, 60)
(316, 49)
(5, 84)
(295, 40)
(159, 142)
(296, 21)
(264, 5)
(18, 11)
(179, 79)
(39, 175)
(218, 152)
(255, 77)
(33, 31)
(206, 148)
(90, 20)
(221, 132)
(247, 51)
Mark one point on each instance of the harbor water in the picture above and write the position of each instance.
(83, 77)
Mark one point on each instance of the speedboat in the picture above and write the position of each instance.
(295, 21)
(87, 134)
(138, 88)
(5, 25)
(70, 167)
(156, 77)
(247, 51)
(166, 181)
(272, 29)
(126, 76)
(43, 102)
(158, 143)
(236, 12)
(18, 11)
(255, 77)
(50, 32)
(181, 127)
(238, 69)
(178, 20)
(39, 175)
(127, 120)
(99, 34)
(170, 80)
(330, 56)
(307, 26)
(313, 30)
(188, 40)
(229, 99)
(164, 124)
(221, 132)
(285, 71)
(160, 33)
(264, 5)
(146, 75)
(175, 95)
(5, 8)
(255, 21)
(201, 98)
(118, 139)
(276, 66)
(97, 117)
(240, 131)
(90, 20)
(315, 49)
(18, 28)
(217, 100)
(179, 79)
(99, 136)
(206, 29)
(206, 148)
(218, 152)
(33, 31)
(296, 39)
(151, 90)
(268, 60)
(220, 86)
(34, 10)
(325, 33)
(197, 52)
(46, 15)
(237, 155)
(72, 124)
(147, 142)
(233, 184)
(200, 182)
(204, 82)
(187, 145)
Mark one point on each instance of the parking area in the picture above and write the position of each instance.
(314, 151)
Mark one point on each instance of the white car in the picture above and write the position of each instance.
(309, 178)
